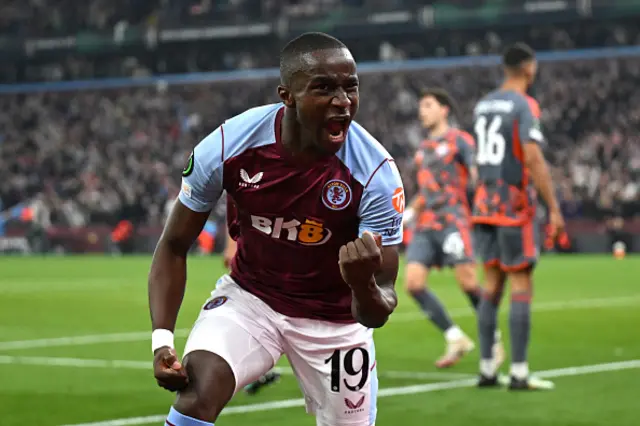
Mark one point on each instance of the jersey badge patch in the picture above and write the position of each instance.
(186, 189)
(336, 194)
(215, 303)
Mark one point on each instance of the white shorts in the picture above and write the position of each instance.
(334, 363)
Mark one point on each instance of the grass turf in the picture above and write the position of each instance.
(586, 312)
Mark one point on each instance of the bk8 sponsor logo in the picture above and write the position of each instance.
(308, 233)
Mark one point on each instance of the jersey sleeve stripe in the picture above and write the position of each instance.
(222, 149)
(465, 233)
(528, 240)
(534, 107)
(375, 171)
(518, 153)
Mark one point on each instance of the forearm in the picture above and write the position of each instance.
(543, 183)
(417, 202)
(372, 305)
(167, 282)
(473, 175)
(415, 208)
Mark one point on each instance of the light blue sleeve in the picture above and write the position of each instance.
(202, 177)
(382, 205)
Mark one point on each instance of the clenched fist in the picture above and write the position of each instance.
(168, 371)
(359, 260)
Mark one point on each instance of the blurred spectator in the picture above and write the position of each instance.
(38, 18)
(31, 18)
(105, 156)
(99, 156)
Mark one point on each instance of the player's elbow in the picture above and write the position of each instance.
(173, 245)
(166, 251)
(373, 321)
(376, 324)
(378, 315)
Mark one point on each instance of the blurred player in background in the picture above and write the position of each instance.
(231, 235)
(318, 216)
(511, 167)
(442, 228)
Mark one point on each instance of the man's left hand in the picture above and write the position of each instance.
(359, 260)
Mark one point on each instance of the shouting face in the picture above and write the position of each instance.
(324, 93)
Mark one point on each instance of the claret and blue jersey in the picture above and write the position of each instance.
(292, 219)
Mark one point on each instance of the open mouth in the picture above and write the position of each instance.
(337, 128)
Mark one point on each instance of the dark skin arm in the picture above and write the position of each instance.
(167, 281)
(168, 275)
(373, 307)
(371, 272)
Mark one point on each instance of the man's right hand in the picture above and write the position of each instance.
(556, 224)
(168, 370)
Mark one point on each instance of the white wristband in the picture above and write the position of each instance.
(161, 337)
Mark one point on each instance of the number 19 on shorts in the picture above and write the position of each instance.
(356, 376)
(491, 143)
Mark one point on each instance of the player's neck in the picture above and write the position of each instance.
(515, 84)
(294, 143)
(439, 131)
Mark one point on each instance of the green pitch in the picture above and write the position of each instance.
(586, 313)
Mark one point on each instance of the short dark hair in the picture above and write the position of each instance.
(517, 54)
(290, 55)
(441, 95)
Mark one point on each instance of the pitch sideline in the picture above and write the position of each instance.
(400, 317)
(147, 365)
(396, 391)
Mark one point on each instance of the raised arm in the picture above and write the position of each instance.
(369, 265)
(374, 295)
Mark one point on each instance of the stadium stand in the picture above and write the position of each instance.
(92, 153)
(97, 24)
(94, 157)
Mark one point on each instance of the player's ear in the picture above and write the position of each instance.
(286, 96)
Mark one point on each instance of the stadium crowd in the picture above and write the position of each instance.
(91, 156)
(37, 18)
(96, 156)
(111, 19)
